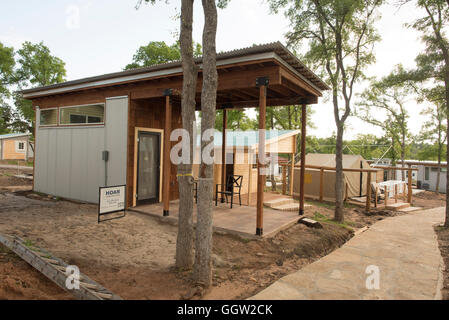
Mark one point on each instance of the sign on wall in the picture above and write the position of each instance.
(112, 199)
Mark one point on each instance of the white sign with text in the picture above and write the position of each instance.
(112, 199)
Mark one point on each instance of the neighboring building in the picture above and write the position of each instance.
(241, 153)
(114, 129)
(354, 182)
(16, 146)
(427, 174)
(395, 174)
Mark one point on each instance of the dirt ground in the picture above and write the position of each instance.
(443, 240)
(134, 256)
(428, 199)
(7, 178)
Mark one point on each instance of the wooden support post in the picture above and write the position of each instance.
(262, 83)
(321, 184)
(396, 193)
(346, 191)
(223, 153)
(375, 197)
(167, 163)
(284, 179)
(409, 198)
(303, 159)
(368, 192)
(292, 167)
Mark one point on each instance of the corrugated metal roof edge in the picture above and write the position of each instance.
(13, 135)
(276, 47)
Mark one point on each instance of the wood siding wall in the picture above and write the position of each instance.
(150, 114)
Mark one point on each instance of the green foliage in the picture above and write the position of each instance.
(236, 120)
(339, 34)
(36, 67)
(157, 52)
(7, 64)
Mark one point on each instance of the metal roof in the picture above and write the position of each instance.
(275, 47)
(13, 135)
(247, 138)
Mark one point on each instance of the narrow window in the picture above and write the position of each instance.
(48, 117)
(426, 173)
(88, 114)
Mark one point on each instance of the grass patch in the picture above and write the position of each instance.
(322, 218)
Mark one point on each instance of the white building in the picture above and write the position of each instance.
(425, 177)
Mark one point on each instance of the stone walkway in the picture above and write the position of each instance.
(404, 248)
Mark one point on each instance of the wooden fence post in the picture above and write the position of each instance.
(321, 183)
(284, 180)
(409, 198)
(368, 192)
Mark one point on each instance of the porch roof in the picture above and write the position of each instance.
(289, 79)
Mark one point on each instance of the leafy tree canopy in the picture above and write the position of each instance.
(157, 52)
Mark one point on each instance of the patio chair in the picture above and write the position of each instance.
(233, 186)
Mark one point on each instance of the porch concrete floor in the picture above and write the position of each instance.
(240, 220)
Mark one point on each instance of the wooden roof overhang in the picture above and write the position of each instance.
(290, 82)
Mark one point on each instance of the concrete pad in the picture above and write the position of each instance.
(403, 248)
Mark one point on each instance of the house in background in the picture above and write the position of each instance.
(427, 174)
(16, 146)
(241, 152)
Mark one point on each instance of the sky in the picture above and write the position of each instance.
(95, 37)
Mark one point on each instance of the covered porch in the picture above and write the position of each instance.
(257, 77)
(240, 220)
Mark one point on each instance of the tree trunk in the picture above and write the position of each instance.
(446, 84)
(339, 178)
(203, 244)
(184, 242)
(440, 146)
(403, 158)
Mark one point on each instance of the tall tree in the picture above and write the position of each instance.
(340, 35)
(203, 241)
(434, 130)
(157, 52)
(36, 67)
(433, 63)
(185, 239)
(388, 97)
(7, 64)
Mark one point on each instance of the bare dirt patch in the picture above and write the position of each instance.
(443, 241)
(428, 199)
(8, 179)
(134, 256)
(19, 281)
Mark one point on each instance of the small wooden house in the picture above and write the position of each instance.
(241, 155)
(16, 146)
(129, 116)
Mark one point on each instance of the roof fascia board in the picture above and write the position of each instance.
(164, 72)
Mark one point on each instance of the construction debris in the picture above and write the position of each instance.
(55, 269)
(310, 223)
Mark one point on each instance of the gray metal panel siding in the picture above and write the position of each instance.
(117, 139)
(69, 159)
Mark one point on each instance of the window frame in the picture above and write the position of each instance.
(426, 173)
(82, 124)
(57, 117)
(17, 145)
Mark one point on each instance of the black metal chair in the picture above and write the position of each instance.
(233, 186)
